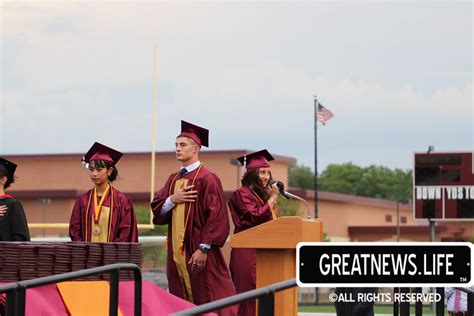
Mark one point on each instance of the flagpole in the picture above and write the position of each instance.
(315, 156)
(153, 132)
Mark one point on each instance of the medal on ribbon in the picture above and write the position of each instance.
(96, 230)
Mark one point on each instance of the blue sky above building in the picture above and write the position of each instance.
(397, 76)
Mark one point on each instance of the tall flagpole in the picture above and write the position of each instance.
(315, 157)
(153, 134)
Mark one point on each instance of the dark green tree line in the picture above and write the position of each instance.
(373, 181)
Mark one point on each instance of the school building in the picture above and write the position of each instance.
(48, 184)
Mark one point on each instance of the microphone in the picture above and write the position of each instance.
(281, 188)
(288, 195)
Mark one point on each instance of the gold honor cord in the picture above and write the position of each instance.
(98, 207)
(181, 246)
(87, 216)
(97, 213)
(256, 195)
(98, 210)
(273, 210)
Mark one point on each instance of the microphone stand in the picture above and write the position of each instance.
(292, 196)
(288, 195)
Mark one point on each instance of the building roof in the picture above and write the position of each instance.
(51, 194)
(231, 152)
(347, 198)
(405, 229)
(306, 194)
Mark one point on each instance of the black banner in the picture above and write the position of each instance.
(388, 263)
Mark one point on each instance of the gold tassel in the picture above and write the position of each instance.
(166, 244)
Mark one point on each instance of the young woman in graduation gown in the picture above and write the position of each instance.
(251, 205)
(103, 214)
(13, 224)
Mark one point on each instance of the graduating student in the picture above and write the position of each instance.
(192, 204)
(13, 225)
(103, 214)
(251, 205)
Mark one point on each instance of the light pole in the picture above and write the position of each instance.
(430, 220)
(397, 290)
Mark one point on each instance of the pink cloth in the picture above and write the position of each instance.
(155, 301)
(44, 301)
(47, 301)
(457, 301)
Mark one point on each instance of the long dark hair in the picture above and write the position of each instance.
(105, 165)
(250, 180)
(4, 173)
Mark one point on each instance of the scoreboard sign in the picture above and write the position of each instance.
(443, 186)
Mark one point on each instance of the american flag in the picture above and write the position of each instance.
(323, 114)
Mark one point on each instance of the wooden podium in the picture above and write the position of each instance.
(275, 242)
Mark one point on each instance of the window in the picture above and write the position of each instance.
(465, 208)
(403, 219)
(450, 175)
(435, 159)
(428, 209)
(388, 218)
(427, 176)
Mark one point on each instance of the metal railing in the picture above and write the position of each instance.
(16, 292)
(265, 296)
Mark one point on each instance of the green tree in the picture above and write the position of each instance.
(340, 178)
(381, 182)
(300, 176)
(373, 181)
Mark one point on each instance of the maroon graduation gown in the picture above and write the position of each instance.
(13, 225)
(124, 222)
(247, 211)
(208, 223)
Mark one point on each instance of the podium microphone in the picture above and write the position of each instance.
(281, 188)
(288, 195)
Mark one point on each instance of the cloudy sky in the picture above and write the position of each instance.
(397, 76)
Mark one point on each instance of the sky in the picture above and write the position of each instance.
(398, 76)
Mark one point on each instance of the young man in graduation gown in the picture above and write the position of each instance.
(192, 204)
(103, 214)
(13, 225)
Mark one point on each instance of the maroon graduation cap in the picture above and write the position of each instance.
(199, 134)
(255, 160)
(9, 166)
(99, 151)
